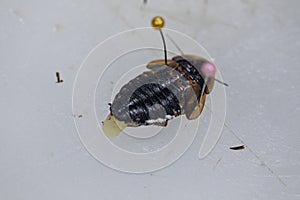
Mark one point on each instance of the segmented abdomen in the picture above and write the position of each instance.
(150, 101)
(153, 95)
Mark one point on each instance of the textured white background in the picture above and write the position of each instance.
(255, 42)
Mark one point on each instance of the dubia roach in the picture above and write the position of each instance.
(168, 89)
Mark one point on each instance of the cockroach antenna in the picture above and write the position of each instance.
(223, 83)
(174, 43)
(158, 22)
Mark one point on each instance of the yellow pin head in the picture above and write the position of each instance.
(158, 22)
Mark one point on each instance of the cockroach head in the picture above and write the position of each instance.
(205, 67)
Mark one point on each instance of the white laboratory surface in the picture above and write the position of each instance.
(256, 47)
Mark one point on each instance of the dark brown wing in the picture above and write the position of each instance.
(192, 111)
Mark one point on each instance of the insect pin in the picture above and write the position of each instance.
(170, 88)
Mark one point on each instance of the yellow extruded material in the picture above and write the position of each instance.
(112, 127)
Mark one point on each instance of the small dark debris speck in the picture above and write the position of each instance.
(58, 80)
(241, 147)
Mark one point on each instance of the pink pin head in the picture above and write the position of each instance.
(208, 69)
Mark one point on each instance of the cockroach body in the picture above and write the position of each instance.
(164, 92)
(168, 89)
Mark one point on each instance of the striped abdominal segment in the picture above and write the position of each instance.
(153, 103)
